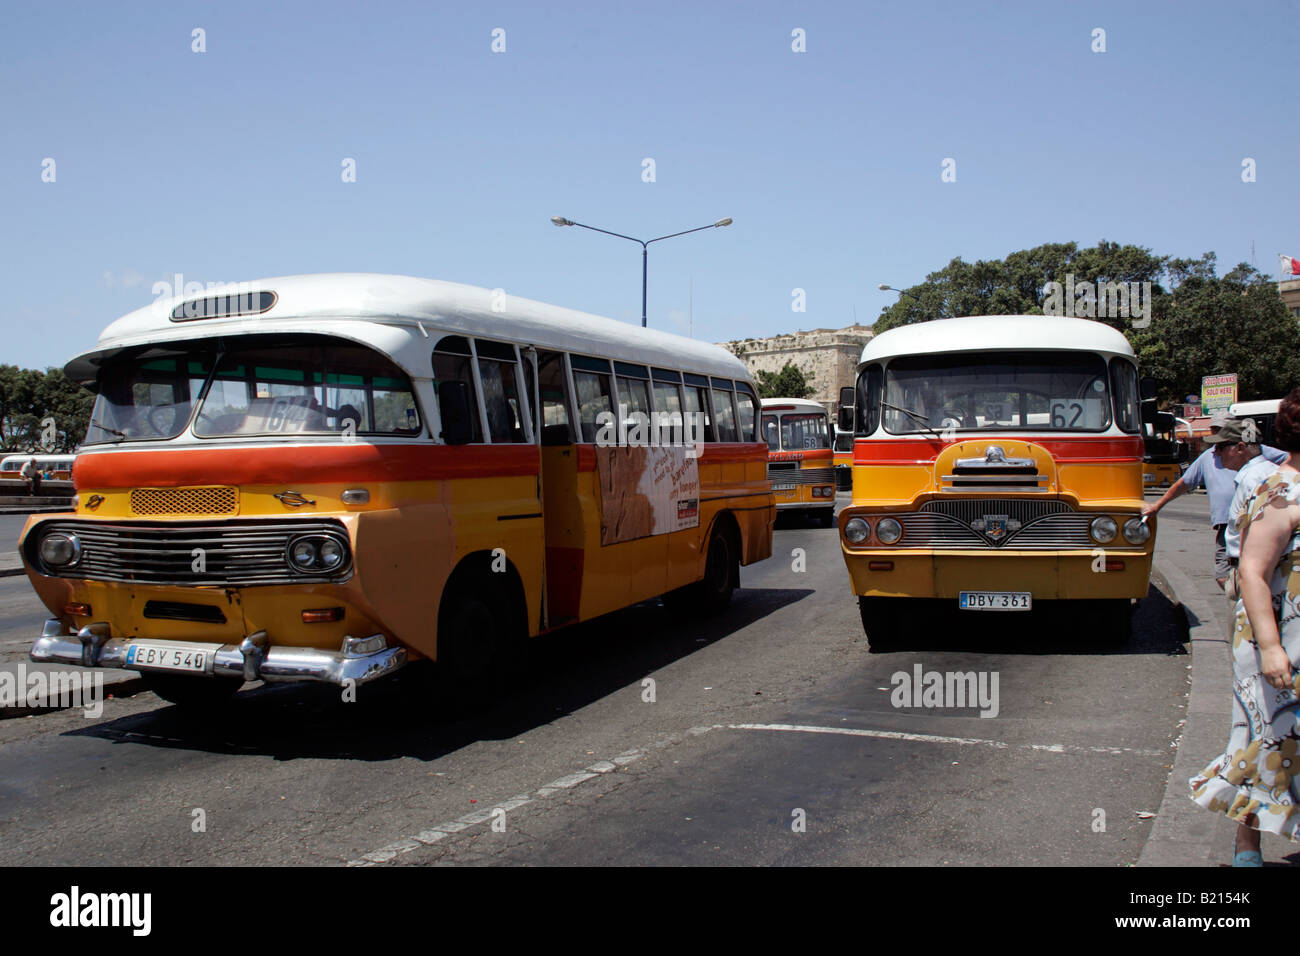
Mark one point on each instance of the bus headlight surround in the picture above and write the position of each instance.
(1136, 531)
(60, 550)
(317, 554)
(889, 530)
(856, 530)
(1103, 529)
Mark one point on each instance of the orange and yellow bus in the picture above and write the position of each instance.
(799, 457)
(997, 465)
(323, 477)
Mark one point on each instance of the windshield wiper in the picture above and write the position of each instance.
(916, 417)
(105, 428)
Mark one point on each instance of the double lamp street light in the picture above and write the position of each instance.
(645, 244)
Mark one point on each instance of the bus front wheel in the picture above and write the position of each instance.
(882, 620)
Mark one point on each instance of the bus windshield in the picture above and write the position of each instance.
(1060, 391)
(254, 386)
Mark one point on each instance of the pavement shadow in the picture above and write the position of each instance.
(411, 713)
(1159, 626)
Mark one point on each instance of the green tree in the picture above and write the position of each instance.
(1233, 323)
(29, 397)
(1015, 285)
(790, 382)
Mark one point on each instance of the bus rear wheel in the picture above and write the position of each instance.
(193, 693)
(711, 594)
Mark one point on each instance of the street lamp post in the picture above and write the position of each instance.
(645, 247)
(889, 288)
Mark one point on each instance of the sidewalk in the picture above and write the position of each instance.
(1184, 833)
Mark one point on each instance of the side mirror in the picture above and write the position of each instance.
(1147, 389)
(845, 416)
(455, 407)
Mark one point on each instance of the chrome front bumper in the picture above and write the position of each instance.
(254, 658)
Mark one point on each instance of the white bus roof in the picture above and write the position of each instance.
(1263, 406)
(793, 404)
(998, 333)
(385, 312)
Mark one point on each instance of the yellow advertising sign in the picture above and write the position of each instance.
(1218, 392)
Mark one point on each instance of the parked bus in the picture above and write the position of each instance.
(1164, 454)
(58, 467)
(799, 457)
(328, 476)
(1264, 414)
(997, 465)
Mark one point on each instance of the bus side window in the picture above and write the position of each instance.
(553, 384)
(867, 414)
(497, 371)
(724, 412)
(746, 406)
(699, 415)
(451, 364)
(591, 378)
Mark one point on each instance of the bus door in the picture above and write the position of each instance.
(561, 456)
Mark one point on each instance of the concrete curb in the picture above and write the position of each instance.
(1184, 833)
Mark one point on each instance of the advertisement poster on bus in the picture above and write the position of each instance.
(646, 490)
(1218, 392)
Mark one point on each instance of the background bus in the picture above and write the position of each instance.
(1264, 413)
(331, 475)
(1165, 455)
(799, 460)
(58, 468)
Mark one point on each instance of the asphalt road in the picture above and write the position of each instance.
(588, 766)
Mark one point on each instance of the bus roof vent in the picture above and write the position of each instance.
(224, 305)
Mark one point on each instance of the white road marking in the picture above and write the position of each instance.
(601, 767)
(935, 739)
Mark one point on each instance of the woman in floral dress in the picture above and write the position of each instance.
(1254, 781)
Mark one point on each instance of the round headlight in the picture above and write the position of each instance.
(856, 530)
(331, 554)
(888, 530)
(1136, 531)
(58, 549)
(303, 554)
(1103, 529)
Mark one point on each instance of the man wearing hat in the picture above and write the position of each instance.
(1215, 470)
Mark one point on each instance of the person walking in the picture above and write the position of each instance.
(1255, 780)
(1215, 470)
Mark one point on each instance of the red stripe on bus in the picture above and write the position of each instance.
(870, 451)
(279, 465)
(715, 453)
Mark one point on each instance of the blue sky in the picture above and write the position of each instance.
(225, 165)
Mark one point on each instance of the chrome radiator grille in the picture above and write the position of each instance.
(791, 474)
(234, 553)
(1046, 526)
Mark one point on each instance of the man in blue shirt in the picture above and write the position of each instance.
(1215, 470)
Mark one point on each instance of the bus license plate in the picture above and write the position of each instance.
(1148, 476)
(783, 487)
(191, 658)
(995, 600)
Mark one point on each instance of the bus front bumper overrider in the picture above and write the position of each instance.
(253, 659)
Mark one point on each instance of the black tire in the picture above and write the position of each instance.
(881, 621)
(826, 517)
(193, 693)
(712, 593)
(479, 648)
(1114, 621)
